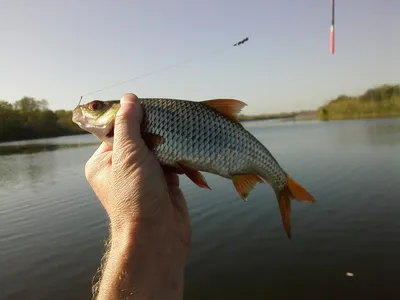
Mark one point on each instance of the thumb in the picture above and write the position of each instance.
(127, 123)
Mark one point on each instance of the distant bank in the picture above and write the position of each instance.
(29, 118)
(379, 102)
(302, 115)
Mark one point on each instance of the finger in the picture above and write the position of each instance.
(171, 178)
(104, 147)
(176, 195)
(127, 122)
(178, 201)
(100, 159)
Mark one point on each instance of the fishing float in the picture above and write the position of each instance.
(333, 27)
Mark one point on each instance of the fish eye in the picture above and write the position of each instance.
(95, 105)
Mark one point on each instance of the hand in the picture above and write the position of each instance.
(149, 221)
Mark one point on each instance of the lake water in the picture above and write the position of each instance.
(52, 227)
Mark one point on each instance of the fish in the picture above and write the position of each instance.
(201, 136)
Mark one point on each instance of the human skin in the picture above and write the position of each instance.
(149, 222)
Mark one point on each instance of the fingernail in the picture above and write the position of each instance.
(128, 98)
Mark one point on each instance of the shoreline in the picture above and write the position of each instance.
(30, 119)
(295, 118)
(367, 117)
(3, 143)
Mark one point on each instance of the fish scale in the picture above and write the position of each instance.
(198, 142)
(201, 136)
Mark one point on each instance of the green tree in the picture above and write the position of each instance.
(29, 118)
(381, 101)
(30, 104)
(4, 105)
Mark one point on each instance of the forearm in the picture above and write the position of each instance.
(143, 264)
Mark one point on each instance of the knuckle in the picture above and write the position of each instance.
(92, 167)
(89, 171)
(131, 155)
(121, 160)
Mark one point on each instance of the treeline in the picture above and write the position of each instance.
(265, 116)
(29, 118)
(382, 101)
(283, 115)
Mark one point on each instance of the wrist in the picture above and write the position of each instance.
(154, 262)
(150, 237)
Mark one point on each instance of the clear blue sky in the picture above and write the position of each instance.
(60, 50)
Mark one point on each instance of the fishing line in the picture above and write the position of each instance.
(222, 49)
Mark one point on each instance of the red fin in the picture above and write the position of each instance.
(173, 169)
(297, 192)
(292, 190)
(230, 108)
(283, 197)
(152, 140)
(244, 183)
(195, 176)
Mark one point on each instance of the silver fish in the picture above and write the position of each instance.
(206, 136)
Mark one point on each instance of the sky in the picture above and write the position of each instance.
(60, 50)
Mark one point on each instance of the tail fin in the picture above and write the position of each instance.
(284, 205)
(294, 191)
(297, 192)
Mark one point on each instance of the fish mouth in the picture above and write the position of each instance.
(77, 116)
(88, 124)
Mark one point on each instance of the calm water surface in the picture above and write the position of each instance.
(52, 227)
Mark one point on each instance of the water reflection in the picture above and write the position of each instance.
(35, 163)
(35, 148)
(354, 133)
(384, 132)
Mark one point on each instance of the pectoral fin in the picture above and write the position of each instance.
(152, 140)
(194, 175)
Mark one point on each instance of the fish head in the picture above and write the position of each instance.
(97, 117)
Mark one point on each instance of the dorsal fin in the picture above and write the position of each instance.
(230, 108)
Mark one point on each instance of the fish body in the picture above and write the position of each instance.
(206, 136)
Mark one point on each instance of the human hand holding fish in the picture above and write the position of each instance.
(149, 222)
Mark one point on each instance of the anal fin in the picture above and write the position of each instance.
(244, 183)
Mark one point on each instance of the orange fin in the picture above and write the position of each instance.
(297, 192)
(244, 183)
(292, 190)
(152, 140)
(230, 108)
(283, 197)
(195, 176)
(172, 169)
